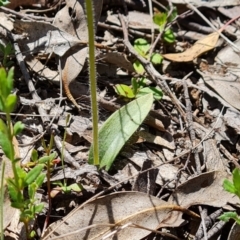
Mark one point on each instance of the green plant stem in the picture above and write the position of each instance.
(1, 198)
(13, 162)
(92, 79)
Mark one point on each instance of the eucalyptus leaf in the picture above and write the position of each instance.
(119, 127)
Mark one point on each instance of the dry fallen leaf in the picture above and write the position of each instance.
(201, 46)
(227, 86)
(118, 208)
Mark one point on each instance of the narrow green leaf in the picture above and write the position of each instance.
(40, 179)
(34, 155)
(124, 90)
(17, 128)
(6, 145)
(33, 174)
(10, 103)
(236, 180)
(119, 127)
(134, 85)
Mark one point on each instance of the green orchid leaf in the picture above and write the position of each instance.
(119, 127)
(156, 91)
(138, 67)
(156, 58)
(124, 91)
(18, 128)
(169, 36)
(142, 46)
(33, 174)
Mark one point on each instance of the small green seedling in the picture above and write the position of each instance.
(232, 187)
(63, 187)
(32, 180)
(161, 19)
(142, 47)
(138, 89)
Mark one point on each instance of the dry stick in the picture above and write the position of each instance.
(21, 63)
(216, 229)
(203, 214)
(209, 220)
(189, 119)
(155, 76)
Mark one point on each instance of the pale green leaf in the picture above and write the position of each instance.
(119, 127)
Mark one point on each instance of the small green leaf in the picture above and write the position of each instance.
(17, 128)
(40, 179)
(5, 142)
(160, 19)
(12, 189)
(38, 208)
(34, 155)
(10, 103)
(156, 91)
(156, 58)
(141, 45)
(227, 216)
(33, 174)
(134, 85)
(236, 180)
(228, 186)
(138, 67)
(169, 36)
(124, 90)
(76, 187)
(119, 127)
(32, 190)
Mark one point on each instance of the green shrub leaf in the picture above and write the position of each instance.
(141, 45)
(119, 127)
(17, 128)
(124, 90)
(156, 58)
(169, 36)
(33, 174)
(228, 186)
(138, 67)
